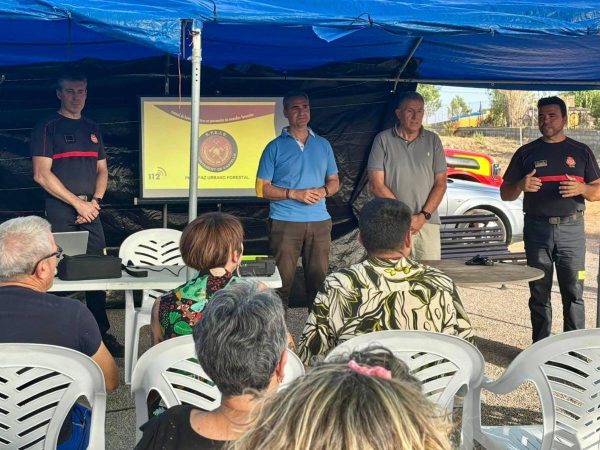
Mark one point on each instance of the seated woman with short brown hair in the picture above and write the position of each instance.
(213, 245)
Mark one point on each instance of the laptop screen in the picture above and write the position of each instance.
(72, 242)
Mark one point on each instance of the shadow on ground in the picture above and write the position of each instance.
(497, 353)
(502, 415)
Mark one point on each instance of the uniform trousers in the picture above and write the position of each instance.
(62, 218)
(560, 245)
(312, 241)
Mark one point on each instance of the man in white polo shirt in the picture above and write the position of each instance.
(407, 163)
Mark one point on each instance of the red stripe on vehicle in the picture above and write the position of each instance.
(76, 155)
(561, 178)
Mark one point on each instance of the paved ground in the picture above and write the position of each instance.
(501, 320)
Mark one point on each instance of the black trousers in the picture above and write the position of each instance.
(62, 218)
(290, 240)
(561, 246)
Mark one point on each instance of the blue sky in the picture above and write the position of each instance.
(473, 96)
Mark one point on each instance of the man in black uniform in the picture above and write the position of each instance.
(557, 175)
(70, 164)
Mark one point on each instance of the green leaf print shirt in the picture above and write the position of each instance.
(382, 294)
(180, 309)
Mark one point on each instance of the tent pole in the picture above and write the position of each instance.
(193, 195)
(406, 61)
(196, 63)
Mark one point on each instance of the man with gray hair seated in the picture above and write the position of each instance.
(28, 314)
(241, 343)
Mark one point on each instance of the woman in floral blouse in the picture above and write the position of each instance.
(212, 244)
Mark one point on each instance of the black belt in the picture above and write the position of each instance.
(557, 220)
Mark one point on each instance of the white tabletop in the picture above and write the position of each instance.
(169, 278)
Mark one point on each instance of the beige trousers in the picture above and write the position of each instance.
(426, 243)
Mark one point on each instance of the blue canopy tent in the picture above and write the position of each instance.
(471, 42)
(517, 43)
(521, 44)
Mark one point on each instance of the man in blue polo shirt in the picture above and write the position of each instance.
(297, 170)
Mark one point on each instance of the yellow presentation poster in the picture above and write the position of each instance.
(233, 134)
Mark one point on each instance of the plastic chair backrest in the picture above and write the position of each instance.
(152, 247)
(446, 365)
(172, 370)
(566, 372)
(293, 369)
(443, 363)
(38, 386)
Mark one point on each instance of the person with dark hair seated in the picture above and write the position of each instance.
(241, 344)
(387, 291)
(351, 403)
(213, 245)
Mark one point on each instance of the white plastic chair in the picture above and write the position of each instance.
(566, 372)
(38, 386)
(153, 247)
(446, 365)
(171, 369)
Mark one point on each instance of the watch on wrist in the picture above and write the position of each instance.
(427, 214)
(98, 200)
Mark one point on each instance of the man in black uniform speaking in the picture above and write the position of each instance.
(70, 164)
(557, 175)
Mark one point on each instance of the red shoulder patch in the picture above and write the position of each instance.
(94, 138)
(570, 161)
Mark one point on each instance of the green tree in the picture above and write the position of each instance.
(497, 112)
(586, 99)
(432, 97)
(458, 107)
(511, 108)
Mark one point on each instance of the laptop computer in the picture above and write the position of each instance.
(72, 242)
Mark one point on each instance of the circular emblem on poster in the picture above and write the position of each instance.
(218, 150)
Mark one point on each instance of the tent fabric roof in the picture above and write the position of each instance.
(464, 41)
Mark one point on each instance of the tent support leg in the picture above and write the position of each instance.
(194, 138)
(196, 63)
